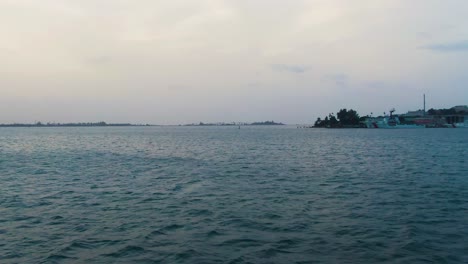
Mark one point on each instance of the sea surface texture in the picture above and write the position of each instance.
(227, 195)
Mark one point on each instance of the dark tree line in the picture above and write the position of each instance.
(450, 111)
(344, 118)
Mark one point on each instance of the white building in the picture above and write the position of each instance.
(414, 113)
(460, 108)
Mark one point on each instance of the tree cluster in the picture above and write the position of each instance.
(450, 111)
(344, 118)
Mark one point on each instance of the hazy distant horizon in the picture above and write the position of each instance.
(179, 62)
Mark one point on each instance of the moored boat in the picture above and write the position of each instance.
(461, 125)
(390, 122)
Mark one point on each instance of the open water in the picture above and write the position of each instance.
(224, 195)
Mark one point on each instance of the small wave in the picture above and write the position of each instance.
(288, 243)
(172, 227)
(271, 252)
(155, 233)
(77, 245)
(80, 228)
(239, 260)
(58, 258)
(213, 233)
(272, 216)
(40, 172)
(126, 251)
(23, 218)
(152, 199)
(241, 242)
(199, 212)
(187, 254)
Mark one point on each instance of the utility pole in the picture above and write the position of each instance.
(424, 111)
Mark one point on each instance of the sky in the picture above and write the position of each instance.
(177, 62)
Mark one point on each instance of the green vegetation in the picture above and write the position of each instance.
(344, 118)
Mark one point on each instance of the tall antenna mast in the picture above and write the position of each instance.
(424, 96)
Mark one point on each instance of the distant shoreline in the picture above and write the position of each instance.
(104, 124)
(265, 123)
(89, 124)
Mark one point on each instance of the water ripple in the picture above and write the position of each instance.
(221, 195)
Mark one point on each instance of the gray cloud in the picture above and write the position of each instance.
(290, 68)
(376, 84)
(184, 61)
(424, 35)
(340, 79)
(177, 88)
(461, 46)
(100, 59)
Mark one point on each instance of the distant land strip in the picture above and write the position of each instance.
(84, 124)
(104, 124)
(265, 123)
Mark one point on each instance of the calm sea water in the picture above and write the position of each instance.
(224, 195)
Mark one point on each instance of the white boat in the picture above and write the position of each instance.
(461, 125)
(390, 122)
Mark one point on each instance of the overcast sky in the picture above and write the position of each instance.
(173, 61)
